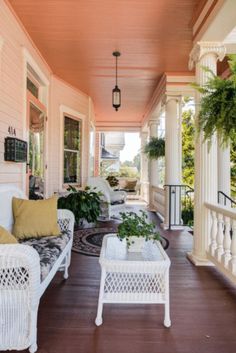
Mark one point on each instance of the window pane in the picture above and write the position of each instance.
(71, 167)
(71, 134)
(32, 88)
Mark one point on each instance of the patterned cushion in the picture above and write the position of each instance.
(49, 249)
(119, 202)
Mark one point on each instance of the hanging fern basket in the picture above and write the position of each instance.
(218, 106)
(155, 148)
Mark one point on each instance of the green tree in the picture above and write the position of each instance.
(127, 164)
(137, 161)
(188, 131)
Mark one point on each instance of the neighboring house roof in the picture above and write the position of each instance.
(107, 155)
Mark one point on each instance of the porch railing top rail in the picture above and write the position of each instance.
(158, 189)
(180, 185)
(224, 210)
(226, 198)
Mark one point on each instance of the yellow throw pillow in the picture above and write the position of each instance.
(35, 218)
(6, 237)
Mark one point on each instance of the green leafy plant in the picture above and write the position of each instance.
(188, 214)
(155, 148)
(85, 204)
(218, 105)
(112, 180)
(188, 131)
(135, 225)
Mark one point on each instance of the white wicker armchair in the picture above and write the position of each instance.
(21, 281)
(115, 199)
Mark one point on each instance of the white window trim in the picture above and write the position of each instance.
(29, 60)
(64, 111)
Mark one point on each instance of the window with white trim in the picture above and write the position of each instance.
(72, 151)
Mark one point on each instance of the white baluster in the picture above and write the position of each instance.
(219, 237)
(213, 233)
(227, 243)
(233, 249)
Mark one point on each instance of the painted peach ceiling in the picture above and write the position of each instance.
(77, 38)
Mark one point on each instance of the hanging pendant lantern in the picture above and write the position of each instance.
(116, 93)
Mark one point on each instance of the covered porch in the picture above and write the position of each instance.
(57, 74)
(202, 311)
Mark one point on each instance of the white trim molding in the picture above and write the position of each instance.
(64, 110)
(204, 48)
(31, 61)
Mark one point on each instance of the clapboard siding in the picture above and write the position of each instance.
(62, 94)
(13, 104)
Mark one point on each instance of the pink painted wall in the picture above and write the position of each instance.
(13, 101)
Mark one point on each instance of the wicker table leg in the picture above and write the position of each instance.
(167, 322)
(98, 320)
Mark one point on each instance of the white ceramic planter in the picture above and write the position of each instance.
(136, 244)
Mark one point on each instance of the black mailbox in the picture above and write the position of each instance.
(15, 150)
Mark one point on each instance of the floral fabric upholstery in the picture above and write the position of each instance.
(49, 248)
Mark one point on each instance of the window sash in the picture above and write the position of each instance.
(72, 164)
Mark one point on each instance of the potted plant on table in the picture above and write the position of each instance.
(136, 230)
(85, 204)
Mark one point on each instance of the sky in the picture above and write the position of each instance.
(132, 146)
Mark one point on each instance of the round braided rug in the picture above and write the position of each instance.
(89, 241)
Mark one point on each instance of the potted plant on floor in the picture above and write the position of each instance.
(155, 148)
(135, 230)
(218, 105)
(85, 204)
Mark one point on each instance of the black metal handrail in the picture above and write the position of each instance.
(225, 199)
(180, 201)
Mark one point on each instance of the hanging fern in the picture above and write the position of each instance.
(155, 148)
(218, 105)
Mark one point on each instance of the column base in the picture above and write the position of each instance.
(198, 261)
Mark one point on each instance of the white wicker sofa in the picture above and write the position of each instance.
(25, 273)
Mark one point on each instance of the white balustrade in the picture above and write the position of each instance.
(158, 199)
(222, 242)
(233, 249)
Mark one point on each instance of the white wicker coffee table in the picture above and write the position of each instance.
(138, 278)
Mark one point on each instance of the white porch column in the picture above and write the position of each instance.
(224, 177)
(144, 169)
(173, 158)
(205, 189)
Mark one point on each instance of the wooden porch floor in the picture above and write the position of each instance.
(203, 312)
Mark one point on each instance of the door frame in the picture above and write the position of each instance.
(31, 99)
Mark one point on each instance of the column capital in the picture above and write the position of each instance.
(203, 48)
(170, 97)
(143, 135)
(153, 122)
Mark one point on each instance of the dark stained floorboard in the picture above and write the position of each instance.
(203, 311)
